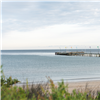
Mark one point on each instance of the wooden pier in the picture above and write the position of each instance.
(78, 54)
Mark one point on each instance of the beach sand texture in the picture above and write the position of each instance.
(84, 86)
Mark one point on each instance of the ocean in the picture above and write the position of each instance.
(37, 65)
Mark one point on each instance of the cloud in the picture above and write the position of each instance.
(54, 35)
(23, 16)
(43, 24)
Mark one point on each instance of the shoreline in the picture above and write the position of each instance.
(91, 85)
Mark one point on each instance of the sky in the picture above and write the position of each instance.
(50, 25)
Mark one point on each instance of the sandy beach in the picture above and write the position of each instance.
(90, 87)
(81, 86)
(84, 85)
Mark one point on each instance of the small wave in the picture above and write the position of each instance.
(79, 79)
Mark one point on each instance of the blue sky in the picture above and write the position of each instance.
(48, 25)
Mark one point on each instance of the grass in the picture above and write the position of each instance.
(43, 91)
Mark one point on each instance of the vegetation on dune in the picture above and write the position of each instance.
(41, 91)
(7, 81)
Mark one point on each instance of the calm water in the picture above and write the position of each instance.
(37, 64)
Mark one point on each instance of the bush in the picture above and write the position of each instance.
(8, 81)
(13, 93)
(2, 76)
(61, 93)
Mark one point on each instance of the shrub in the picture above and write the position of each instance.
(2, 76)
(8, 81)
(13, 93)
(61, 93)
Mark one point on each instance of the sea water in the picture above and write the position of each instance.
(37, 65)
